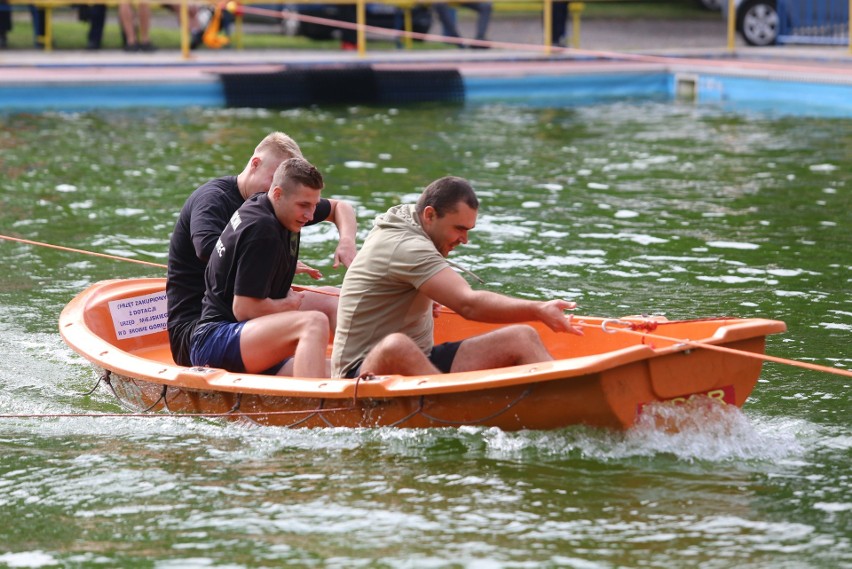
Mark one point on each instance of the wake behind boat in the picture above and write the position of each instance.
(604, 378)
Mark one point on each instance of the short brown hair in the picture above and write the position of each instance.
(295, 171)
(444, 195)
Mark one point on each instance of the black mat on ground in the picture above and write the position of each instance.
(341, 85)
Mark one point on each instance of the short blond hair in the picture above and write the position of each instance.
(281, 144)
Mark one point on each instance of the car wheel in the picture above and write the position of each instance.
(758, 22)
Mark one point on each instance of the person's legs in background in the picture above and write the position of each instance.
(142, 12)
(447, 17)
(5, 23)
(483, 10)
(38, 26)
(97, 19)
(558, 24)
(348, 37)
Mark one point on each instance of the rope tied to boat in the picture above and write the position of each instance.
(635, 325)
(645, 328)
(140, 261)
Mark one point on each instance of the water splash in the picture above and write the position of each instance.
(690, 433)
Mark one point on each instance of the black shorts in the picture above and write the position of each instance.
(180, 338)
(441, 356)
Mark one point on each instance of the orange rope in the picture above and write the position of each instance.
(72, 250)
(696, 344)
(129, 260)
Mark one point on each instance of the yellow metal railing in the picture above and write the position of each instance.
(732, 27)
(407, 6)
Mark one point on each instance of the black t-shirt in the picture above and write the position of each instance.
(201, 221)
(255, 256)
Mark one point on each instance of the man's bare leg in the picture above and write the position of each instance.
(267, 340)
(324, 301)
(513, 345)
(397, 354)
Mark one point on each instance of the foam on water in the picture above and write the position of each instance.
(731, 279)
(28, 559)
(359, 164)
(641, 239)
(822, 167)
(553, 187)
(86, 204)
(732, 245)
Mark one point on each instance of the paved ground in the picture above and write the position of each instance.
(611, 34)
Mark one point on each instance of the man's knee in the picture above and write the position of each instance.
(396, 343)
(521, 334)
(315, 323)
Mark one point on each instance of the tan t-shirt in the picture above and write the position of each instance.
(380, 293)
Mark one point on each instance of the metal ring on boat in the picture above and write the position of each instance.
(612, 321)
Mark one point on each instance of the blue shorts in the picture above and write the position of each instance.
(441, 356)
(217, 344)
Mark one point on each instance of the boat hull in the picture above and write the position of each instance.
(605, 378)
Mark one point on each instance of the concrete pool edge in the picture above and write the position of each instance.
(39, 83)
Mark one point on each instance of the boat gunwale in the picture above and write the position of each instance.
(104, 354)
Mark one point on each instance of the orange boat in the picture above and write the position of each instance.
(604, 378)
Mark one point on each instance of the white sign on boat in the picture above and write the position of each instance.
(139, 315)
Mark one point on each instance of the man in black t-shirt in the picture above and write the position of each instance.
(201, 221)
(251, 319)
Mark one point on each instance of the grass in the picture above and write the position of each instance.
(70, 34)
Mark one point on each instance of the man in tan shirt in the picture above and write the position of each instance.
(385, 319)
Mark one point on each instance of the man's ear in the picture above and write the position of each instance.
(255, 162)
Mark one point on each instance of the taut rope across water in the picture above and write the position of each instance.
(628, 329)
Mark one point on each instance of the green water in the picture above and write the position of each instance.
(627, 208)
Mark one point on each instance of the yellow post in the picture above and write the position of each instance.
(184, 29)
(409, 26)
(47, 38)
(548, 26)
(576, 8)
(732, 25)
(361, 18)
